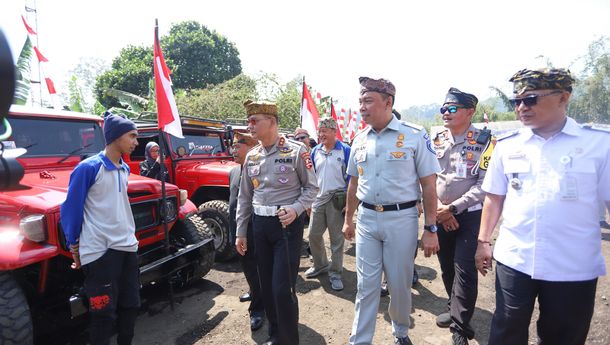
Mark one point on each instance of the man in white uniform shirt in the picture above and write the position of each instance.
(546, 180)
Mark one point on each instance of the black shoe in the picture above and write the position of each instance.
(604, 225)
(256, 322)
(415, 277)
(384, 291)
(443, 320)
(245, 297)
(270, 341)
(459, 339)
(403, 341)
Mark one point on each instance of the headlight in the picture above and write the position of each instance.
(183, 196)
(33, 228)
(170, 207)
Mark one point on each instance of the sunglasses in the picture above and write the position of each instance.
(301, 137)
(452, 109)
(253, 120)
(530, 100)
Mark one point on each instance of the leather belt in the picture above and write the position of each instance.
(390, 207)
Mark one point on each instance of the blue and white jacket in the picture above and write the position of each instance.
(97, 213)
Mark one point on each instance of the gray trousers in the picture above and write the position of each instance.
(323, 217)
(384, 241)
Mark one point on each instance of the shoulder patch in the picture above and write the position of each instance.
(507, 135)
(412, 125)
(596, 128)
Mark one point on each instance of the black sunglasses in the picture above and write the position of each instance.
(452, 109)
(530, 100)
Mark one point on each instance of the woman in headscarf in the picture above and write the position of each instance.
(150, 166)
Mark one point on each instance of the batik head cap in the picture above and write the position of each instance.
(327, 122)
(377, 85)
(245, 138)
(265, 108)
(542, 79)
(468, 100)
(300, 131)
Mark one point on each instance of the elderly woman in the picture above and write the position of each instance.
(150, 167)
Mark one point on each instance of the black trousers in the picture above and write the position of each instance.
(112, 285)
(248, 264)
(566, 309)
(277, 255)
(460, 277)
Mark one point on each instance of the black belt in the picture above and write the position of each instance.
(391, 207)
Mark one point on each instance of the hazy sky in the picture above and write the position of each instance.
(424, 47)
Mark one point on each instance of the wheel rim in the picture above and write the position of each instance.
(217, 232)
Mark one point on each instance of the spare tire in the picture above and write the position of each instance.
(215, 214)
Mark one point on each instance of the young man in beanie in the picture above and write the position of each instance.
(329, 160)
(100, 232)
(546, 181)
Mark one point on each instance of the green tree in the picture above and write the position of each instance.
(75, 95)
(591, 96)
(22, 74)
(197, 57)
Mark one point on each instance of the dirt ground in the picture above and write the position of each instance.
(209, 311)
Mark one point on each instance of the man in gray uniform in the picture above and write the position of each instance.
(390, 159)
(463, 152)
(276, 188)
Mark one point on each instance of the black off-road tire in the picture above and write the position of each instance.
(193, 230)
(15, 319)
(215, 214)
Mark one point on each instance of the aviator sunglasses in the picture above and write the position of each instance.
(452, 109)
(530, 100)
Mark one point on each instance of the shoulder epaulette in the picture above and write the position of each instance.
(255, 147)
(412, 125)
(507, 135)
(596, 128)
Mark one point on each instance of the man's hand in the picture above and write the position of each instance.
(286, 215)
(76, 256)
(443, 213)
(349, 230)
(482, 257)
(429, 243)
(241, 245)
(450, 224)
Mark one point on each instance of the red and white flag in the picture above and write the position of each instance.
(27, 27)
(334, 115)
(167, 112)
(309, 113)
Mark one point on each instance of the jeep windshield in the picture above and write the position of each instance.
(208, 144)
(55, 137)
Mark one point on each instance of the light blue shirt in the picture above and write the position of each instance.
(389, 163)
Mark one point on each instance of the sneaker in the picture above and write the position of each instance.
(384, 290)
(415, 277)
(403, 341)
(336, 283)
(459, 339)
(313, 272)
(443, 320)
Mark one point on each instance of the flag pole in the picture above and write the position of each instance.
(162, 174)
(302, 100)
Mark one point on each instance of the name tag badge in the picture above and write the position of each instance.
(460, 170)
(360, 156)
(568, 188)
(254, 170)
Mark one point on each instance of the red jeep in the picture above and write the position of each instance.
(200, 163)
(39, 292)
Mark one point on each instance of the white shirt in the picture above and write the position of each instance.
(550, 227)
(330, 172)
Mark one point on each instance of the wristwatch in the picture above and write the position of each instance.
(453, 209)
(432, 228)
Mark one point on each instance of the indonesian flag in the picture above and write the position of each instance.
(167, 112)
(27, 27)
(334, 115)
(39, 55)
(309, 113)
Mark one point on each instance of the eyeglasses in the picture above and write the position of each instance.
(452, 109)
(301, 137)
(254, 121)
(530, 100)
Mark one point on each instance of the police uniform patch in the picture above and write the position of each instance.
(472, 142)
(254, 170)
(360, 170)
(470, 135)
(285, 150)
(486, 157)
(429, 143)
(255, 183)
(283, 180)
(469, 155)
(397, 154)
(307, 158)
(399, 144)
(282, 141)
(401, 137)
(281, 169)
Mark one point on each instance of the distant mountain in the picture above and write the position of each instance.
(421, 112)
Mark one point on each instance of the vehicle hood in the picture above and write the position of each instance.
(193, 169)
